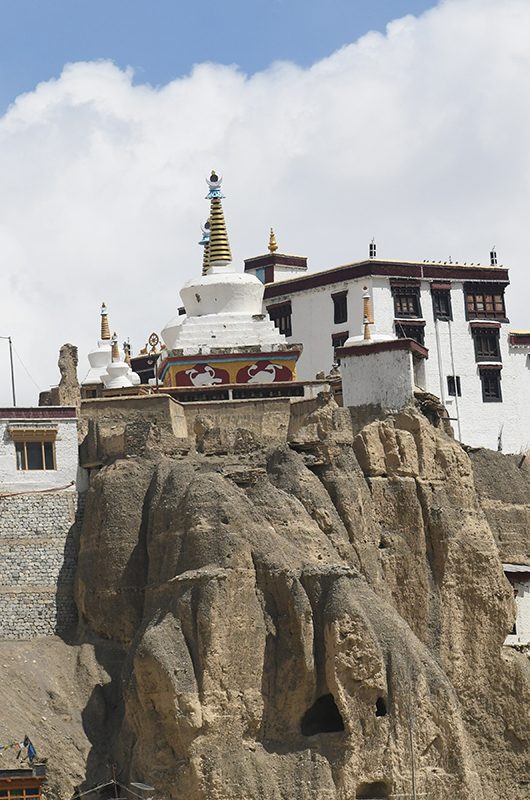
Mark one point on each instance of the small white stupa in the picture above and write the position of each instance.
(119, 374)
(101, 356)
(224, 337)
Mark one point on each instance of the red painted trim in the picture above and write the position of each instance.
(520, 338)
(369, 268)
(440, 286)
(271, 259)
(381, 347)
(496, 367)
(410, 321)
(283, 304)
(486, 323)
(42, 412)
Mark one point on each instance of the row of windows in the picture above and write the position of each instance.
(480, 304)
(490, 380)
(20, 794)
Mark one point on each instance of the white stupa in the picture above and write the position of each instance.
(119, 374)
(101, 356)
(224, 315)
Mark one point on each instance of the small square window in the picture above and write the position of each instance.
(340, 307)
(338, 340)
(491, 385)
(406, 301)
(453, 386)
(35, 455)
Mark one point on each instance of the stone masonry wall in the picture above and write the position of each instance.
(38, 546)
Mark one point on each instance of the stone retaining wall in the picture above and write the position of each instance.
(38, 548)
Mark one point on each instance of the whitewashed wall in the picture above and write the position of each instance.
(451, 351)
(384, 379)
(66, 457)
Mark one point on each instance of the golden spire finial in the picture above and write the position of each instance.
(367, 315)
(219, 247)
(272, 242)
(105, 330)
(115, 349)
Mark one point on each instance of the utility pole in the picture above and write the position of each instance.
(8, 339)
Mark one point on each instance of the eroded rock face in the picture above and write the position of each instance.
(293, 620)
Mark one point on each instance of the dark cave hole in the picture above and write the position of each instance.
(322, 717)
(380, 707)
(372, 791)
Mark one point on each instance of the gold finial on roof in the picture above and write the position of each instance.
(219, 246)
(105, 330)
(367, 314)
(115, 349)
(272, 242)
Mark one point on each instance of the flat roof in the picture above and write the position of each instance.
(38, 412)
(373, 267)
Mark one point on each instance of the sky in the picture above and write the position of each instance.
(332, 120)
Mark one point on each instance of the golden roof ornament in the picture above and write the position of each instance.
(105, 330)
(272, 242)
(115, 349)
(219, 246)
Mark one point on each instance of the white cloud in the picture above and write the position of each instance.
(419, 137)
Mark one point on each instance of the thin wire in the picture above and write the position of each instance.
(94, 789)
(26, 369)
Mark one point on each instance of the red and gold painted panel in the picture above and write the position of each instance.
(215, 370)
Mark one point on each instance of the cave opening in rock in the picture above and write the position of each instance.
(322, 717)
(372, 791)
(380, 707)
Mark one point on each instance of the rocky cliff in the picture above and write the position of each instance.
(316, 615)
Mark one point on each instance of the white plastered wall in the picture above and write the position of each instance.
(384, 379)
(66, 457)
(521, 586)
(451, 351)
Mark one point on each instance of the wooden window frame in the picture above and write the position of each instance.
(340, 307)
(486, 342)
(407, 301)
(483, 301)
(486, 376)
(282, 316)
(21, 448)
(454, 386)
(439, 313)
(410, 330)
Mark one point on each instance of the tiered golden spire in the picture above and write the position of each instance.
(272, 242)
(205, 242)
(219, 254)
(115, 348)
(367, 314)
(105, 330)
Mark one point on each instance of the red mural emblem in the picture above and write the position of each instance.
(202, 375)
(264, 372)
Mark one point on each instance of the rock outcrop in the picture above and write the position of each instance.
(279, 604)
(318, 617)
